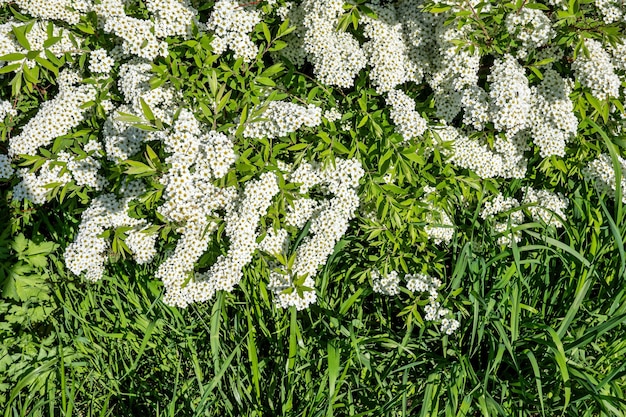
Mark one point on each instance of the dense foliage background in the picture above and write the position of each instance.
(462, 252)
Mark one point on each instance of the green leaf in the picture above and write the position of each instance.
(138, 169)
(128, 118)
(439, 9)
(266, 32)
(146, 110)
(339, 147)
(47, 64)
(298, 147)
(10, 68)
(285, 29)
(266, 81)
(20, 34)
(14, 56)
(84, 28)
(278, 45)
(536, 6)
(242, 122)
(51, 41)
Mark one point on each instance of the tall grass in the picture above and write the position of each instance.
(541, 335)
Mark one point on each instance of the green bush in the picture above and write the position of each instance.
(312, 207)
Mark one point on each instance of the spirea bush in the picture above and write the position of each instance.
(162, 164)
(275, 142)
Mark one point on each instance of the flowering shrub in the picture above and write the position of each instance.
(218, 142)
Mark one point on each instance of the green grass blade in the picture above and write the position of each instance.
(581, 292)
(535, 366)
(559, 355)
(253, 356)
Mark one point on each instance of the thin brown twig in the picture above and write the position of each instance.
(252, 3)
(521, 7)
(482, 26)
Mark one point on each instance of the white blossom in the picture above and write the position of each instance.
(597, 71)
(385, 284)
(232, 25)
(531, 27)
(546, 206)
(280, 118)
(409, 123)
(100, 62)
(55, 117)
(601, 174)
(6, 170)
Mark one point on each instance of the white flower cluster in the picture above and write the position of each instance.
(55, 117)
(171, 17)
(336, 56)
(434, 311)
(280, 118)
(546, 206)
(475, 102)
(531, 27)
(190, 199)
(142, 243)
(420, 31)
(84, 170)
(499, 205)
(439, 227)
(232, 25)
(275, 242)
(137, 35)
(611, 10)
(100, 62)
(408, 121)
(133, 82)
(121, 141)
(66, 10)
(329, 222)
(597, 72)
(450, 68)
(506, 159)
(36, 37)
(553, 122)
(34, 187)
(386, 52)
(510, 95)
(283, 11)
(6, 170)
(88, 252)
(242, 219)
(6, 109)
(601, 174)
(453, 73)
(450, 72)
(618, 55)
(301, 210)
(387, 285)
(332, 115)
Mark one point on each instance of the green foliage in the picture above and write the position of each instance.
(542, 320)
